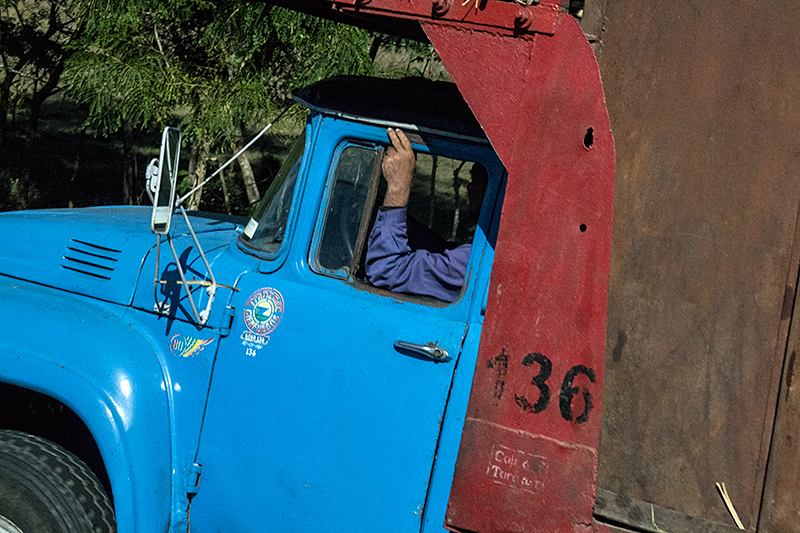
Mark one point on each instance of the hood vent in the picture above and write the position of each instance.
(90, 259)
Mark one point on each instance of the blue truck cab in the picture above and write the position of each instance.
(233, 375)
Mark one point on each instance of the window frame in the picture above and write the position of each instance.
(428, 144)
(277, 257)
(321, 222)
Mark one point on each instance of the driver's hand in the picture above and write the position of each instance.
(398, 169)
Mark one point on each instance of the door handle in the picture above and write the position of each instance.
(431, 351)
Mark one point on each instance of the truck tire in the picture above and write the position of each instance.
(46, 489)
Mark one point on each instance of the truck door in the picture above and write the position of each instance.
(325, 408)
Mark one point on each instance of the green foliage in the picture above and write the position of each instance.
(209, 64)
(214, 68)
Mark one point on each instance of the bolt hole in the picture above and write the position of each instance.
(588, 139)
(583, 227)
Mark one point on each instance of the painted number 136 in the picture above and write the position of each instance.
(544, 368)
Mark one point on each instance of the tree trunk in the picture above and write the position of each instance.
(248, 176)
(128, 175)
(38, 98)
(225, 192)
(193, 149)
(76, 169)
(457, 183)
(203, 155)
(10, 73)
(26, 193)
(432, 197)
(376, 45)
(5, 100)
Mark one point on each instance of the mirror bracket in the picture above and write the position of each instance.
(161, 183)
(162, 178)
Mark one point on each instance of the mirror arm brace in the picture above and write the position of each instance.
(202, 316)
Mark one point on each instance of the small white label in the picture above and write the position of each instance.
(250, 229)
(517, 469)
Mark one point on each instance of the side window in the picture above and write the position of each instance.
(442, 214)
(440, 200)
(352, 189)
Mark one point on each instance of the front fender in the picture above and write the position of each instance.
(85, 354)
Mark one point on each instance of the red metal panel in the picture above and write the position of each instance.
(508, 16)
(528, 455)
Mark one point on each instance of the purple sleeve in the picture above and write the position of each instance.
(392, 265)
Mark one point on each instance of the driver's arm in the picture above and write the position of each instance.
(390, 262)
(398, 169)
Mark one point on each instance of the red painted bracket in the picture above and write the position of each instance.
(528, 456)
(509, 17)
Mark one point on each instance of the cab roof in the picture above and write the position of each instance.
(410, 103)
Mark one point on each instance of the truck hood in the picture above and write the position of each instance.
(98, 252)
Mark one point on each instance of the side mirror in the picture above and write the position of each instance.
(162, 179)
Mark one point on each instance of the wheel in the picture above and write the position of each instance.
(7, 526)
(46, 489)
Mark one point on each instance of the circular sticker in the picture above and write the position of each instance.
(263, 311)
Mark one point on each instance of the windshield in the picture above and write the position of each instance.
(267, 227)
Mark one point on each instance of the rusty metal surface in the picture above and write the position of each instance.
(605, 528)
(646, 517)
(592, 20)
(527, 461)
(703, 99)
(781, 498)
